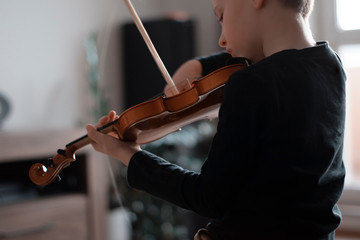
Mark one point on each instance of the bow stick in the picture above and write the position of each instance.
(150, 45)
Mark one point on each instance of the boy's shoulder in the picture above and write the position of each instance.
(288, 65)
(291, 60)
(318, 53)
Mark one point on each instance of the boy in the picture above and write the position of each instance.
(275, 169)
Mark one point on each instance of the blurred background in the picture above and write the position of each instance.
(65, 63)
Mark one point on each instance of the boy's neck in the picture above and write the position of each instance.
(294, 31)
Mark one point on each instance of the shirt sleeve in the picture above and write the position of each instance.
(160, 178)
(214, 61)
(218, 60)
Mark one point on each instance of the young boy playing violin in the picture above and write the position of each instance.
(274, 169)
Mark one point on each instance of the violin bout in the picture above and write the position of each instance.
(154, 119)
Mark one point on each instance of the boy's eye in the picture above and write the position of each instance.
(220, 18)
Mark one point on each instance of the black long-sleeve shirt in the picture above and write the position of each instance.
(275, 166)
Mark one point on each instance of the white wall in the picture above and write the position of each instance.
(207, 26)
(42, 56)
(42, 59)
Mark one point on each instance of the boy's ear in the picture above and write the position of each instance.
(258, 3)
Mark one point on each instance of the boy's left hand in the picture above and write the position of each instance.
(109, 144)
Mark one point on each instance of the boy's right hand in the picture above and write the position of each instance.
(184, 76)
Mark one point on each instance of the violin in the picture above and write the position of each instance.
(150, 120)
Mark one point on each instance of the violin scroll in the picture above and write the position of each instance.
(43, 175)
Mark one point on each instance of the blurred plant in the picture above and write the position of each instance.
(100, 104)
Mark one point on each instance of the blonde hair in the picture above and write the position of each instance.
(304, 7)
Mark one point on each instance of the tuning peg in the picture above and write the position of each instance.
(50, 162)
(61, 152)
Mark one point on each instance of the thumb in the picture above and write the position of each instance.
(92, 132)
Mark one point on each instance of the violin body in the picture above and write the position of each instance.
(150, 121)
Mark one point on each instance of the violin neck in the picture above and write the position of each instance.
(85, 140)
(107, 127)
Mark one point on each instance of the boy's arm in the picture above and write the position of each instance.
(208, 192)
(213, 62)
(185, 75)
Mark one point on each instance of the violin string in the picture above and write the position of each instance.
(114, 184)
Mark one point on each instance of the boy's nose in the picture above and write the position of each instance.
(222, 42)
